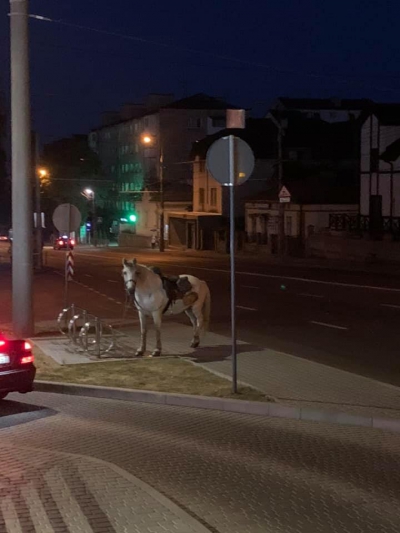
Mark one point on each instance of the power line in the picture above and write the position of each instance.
(190, 50)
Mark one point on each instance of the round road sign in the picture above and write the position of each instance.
(66, 218)
(218, 160)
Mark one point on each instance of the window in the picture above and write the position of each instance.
(288, 221)
(201, 198)
(194, 123)
(374, 159)
(213, 197)
(218, 122)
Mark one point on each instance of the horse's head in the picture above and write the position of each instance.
(130, 273)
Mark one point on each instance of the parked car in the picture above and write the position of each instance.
(17, 371)
(62, 243)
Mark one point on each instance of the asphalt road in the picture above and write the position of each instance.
(233, 473)
(346, 319)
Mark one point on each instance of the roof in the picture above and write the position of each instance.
(325, 103)
(388, 114)
(259, 133)
(200, 101)
(196, 101)
(392, 152)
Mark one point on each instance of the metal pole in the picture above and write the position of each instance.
(94, 220)
(281, 217)
(22, 271)
(66, 281)
(232, 182)
(161, 175)
(38, 229)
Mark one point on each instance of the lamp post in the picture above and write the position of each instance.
(149, 140)
(90, 195)
(41, 174)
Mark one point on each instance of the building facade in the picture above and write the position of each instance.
(170, 128)
(380, 172)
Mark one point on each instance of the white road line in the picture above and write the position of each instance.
(246, 308)
(10, 515)
(249, 287)
(88, 275)
(112, 281)
(327, 325)
(391, 305)
(311, 295)
(271, 276)
(66, 502)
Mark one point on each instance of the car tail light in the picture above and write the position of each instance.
(2, 343)
(27, 346)
(72, 242)
(27, 359)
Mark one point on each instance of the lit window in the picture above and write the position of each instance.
(213, 197)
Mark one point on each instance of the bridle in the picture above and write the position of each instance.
(131, 293)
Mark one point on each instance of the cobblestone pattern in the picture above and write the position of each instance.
(46, 492)
(239, 474)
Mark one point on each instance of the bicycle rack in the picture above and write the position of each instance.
(86, 331)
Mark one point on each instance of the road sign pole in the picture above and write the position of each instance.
(66, 282)
(232, 174)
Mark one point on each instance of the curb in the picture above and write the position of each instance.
(274, 410)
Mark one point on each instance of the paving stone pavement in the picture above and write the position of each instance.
(287, 378)
(46, 492)
(235, 473)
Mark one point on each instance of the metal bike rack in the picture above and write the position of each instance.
(86, 331)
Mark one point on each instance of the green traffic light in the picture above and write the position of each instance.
(132, 218)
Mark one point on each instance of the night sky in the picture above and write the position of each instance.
(314, 48)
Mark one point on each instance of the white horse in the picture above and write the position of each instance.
(145, 288)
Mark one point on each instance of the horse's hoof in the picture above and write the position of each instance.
(156, 353)
(195, 344)
(139, 353)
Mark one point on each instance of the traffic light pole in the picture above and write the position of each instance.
(22, 213)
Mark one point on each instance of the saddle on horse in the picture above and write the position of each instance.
(177, 288)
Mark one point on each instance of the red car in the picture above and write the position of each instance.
(17, 371)
(63, 243)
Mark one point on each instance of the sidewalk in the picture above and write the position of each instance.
(288, 379)
(44, 491)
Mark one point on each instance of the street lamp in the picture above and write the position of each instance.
(149, 140)
(89, 194)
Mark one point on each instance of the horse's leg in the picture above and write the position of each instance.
(143, 334)
(157, 318)
(193, 319)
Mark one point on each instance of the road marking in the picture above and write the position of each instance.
(250, 287)
(391, 305)
(311, 295)
(327, 325)
(112, 281)
(246, 308)
(257, 274)
(88, 275)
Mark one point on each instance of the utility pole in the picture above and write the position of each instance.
(22, 215)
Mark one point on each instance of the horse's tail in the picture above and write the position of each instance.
(206, 309)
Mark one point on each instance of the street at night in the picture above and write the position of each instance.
(341, 318)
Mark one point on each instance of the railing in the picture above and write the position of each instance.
(362, 223)
(86, 331)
